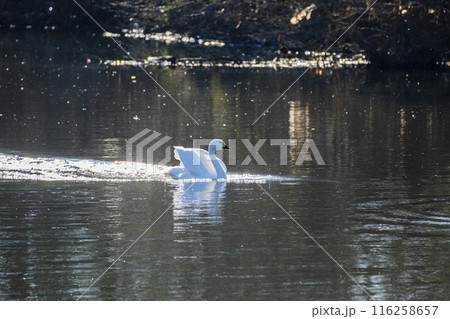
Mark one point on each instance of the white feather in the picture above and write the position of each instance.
(198, 163)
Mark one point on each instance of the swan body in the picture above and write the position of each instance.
(196, 163)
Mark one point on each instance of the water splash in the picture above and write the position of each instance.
(15, 167)
(65, 169)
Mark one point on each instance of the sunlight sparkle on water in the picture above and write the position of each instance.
(14, 167)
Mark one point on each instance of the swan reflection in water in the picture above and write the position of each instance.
(196, 203)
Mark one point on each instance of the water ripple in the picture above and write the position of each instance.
(14, 167)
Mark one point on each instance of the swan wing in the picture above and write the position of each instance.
(180, 172)
(175, 152)
(197, 162)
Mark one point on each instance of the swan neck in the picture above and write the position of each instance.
(212, 155)
(219, 170)
(212, 151)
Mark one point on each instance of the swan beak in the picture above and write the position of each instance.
(225, 147)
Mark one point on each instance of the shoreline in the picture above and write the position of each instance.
(262, 29)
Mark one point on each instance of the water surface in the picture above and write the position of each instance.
(69, 205)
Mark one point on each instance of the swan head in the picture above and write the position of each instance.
(217, 144)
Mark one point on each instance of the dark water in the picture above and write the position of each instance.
(379, 207)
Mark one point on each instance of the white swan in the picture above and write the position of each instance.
(200, 164)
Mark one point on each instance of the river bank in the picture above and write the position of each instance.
(405, 34)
